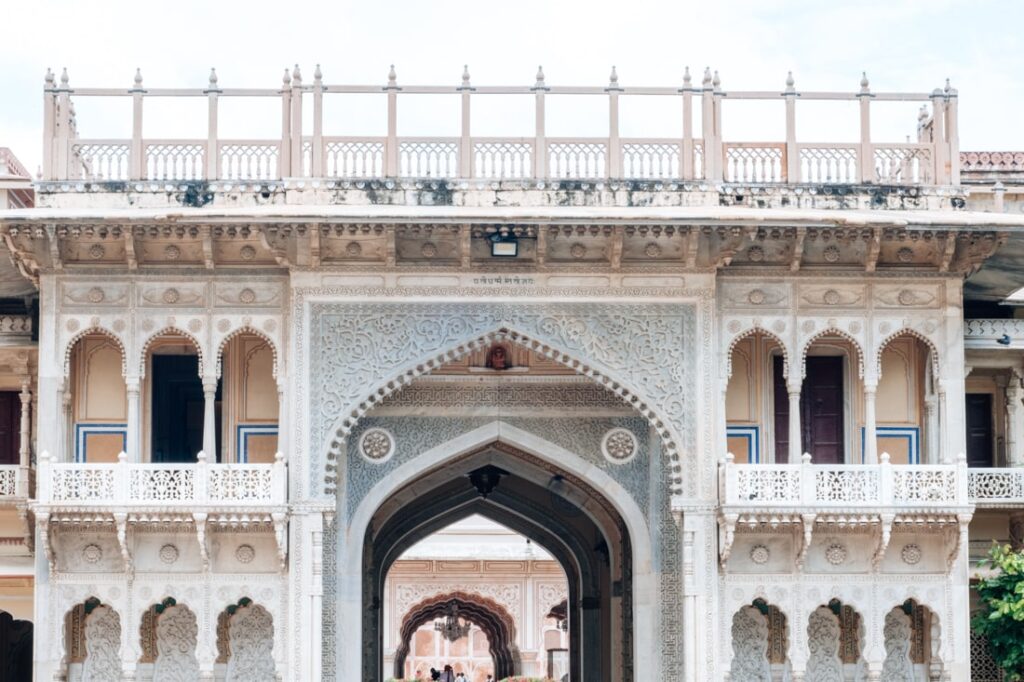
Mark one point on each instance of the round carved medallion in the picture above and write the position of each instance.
(223, 325)
(172, 252)
(831, 297)
(836, 553)
(247, 253)
(245, 554)
(906, 297)
(377, 445)
(734, 326)
(577, 251)
(905, 254)
(247, 295)
(269, 325)
(353, 249)
(619, 445)
(119, 325)
(171, 296)
(194, 325)
(755, 254)
(911, 554)
(831, 254)
(148, 325)
(808, 326)
(429, 250)
(778, 326)
(760, 554)
(854, 327)
(95, 295)
(72, 325)
(96, 251)
(169, 553)
(756, 297)
(652, 250)
(92, 553)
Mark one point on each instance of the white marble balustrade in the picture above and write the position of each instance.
(15, 482)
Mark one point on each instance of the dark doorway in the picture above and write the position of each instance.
(979, 429)
(177, 409)
(822, 412)
(15, 649)
(10, 427)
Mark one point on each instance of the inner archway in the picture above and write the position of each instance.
(558, 511)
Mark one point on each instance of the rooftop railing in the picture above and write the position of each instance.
(697, 155)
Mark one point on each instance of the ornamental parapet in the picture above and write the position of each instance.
(195, 497)
(994, 333)
(695, 154)
(16, 483)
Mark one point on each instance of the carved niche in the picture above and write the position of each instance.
(251, 643)
(897, 633)
(102, 646)
(176, 635)
(823, 636)
(750, 646)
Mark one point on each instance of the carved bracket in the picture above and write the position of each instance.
(281, 536)
(726, 536)
(200, 520)
(805, 546)
(883, 540)
(121, 523)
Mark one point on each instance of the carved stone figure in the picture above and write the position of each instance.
(176, 633)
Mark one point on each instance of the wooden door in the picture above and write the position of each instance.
(781, 395)
(979, 429)
(10, 427)
(177, 409)
(822, 410)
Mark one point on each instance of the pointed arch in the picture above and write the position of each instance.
(933, 350)
(172, 331)
(832, 330)
(752, 331)
(235, 333)
(398, 379)
(95, 330)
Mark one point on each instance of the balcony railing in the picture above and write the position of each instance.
(996, 487)
(843, 487)
(994, 333)
(185, 486)
(16, 482)
(695, 155)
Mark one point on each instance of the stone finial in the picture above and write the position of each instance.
(707, 77)
(201, 457)
(39, 173)
(465, 75)
(287, 78)
(392, 77)
(790, 83)
(884, 458)
(138, 78)
(213, 78)
(864, 81)
(687, 79)
(278, 457)
(318, 75)
(122, 457)
(297, 76)
(44, 456)
(540, 77)
(806, 458)
(613, 79)
(716, 82)
(922, 113)
(64, 77)
(49, 79)
(950, 90)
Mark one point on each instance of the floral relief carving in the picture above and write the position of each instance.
(750, 646)
(652, 250)
(97, 251)
(176, 635)
(377, 445)
(619, 445)
(823, 636)
(911, 554)
(251, 638)
(760, 554)
(897, 633)
(102, 646)
(836, 553)
(247, 253)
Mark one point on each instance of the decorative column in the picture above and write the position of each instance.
(282, 415)
(795, 445)
(210, 418)
(931, 428)
(1014, 423)
(25, 440)
(944, 455)
(870, 429)
(134, 436)
(69, 427)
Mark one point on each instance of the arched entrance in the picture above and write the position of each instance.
(495, 622)
(558, 510)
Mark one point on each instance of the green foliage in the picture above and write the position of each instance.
(1002, 621)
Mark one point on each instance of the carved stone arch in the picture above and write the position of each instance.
(177, 641)
(933, 349)
(397, 380)
(249, 645)
(95, 330)
(495, 621)
(832, 330)
(171, 330)
(933, 647)
(751, 331)
(246, 329)
(750, 644)
(92, 636)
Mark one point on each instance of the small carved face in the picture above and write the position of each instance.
(497, 358)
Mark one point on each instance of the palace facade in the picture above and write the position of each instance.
(759, 402)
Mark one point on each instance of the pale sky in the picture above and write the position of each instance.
(904, 45)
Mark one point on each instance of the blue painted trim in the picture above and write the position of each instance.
(242, 434)
(83, 430)
(753, 436)
(911, 433)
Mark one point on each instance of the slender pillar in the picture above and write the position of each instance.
(795, 444)
(25, 440)
(210, 419)
(931, 428)
(69, 426)
(134, 437)
(870, 429)
(944, 455)
(1014, 423)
